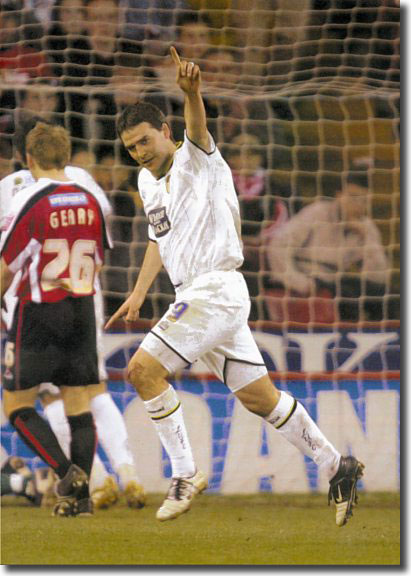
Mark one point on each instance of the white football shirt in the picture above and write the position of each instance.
(193, 213)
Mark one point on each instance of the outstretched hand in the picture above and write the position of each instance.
(130, 309)
(188, 73)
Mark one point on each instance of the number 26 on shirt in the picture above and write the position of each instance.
(79, 260)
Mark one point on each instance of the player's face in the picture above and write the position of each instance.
(150, 147)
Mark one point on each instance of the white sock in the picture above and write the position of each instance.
(16, 483)
(167, 414)
(98, 473)
(111, 431)
(59, 424)
(293, 422)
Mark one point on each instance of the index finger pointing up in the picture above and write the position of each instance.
(175, 56)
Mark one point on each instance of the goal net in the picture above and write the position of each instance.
(303, 99)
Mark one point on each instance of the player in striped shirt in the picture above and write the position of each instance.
(194, 232)
(55, 238)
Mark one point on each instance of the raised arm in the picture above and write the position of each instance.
(152, 265)
(189, 80)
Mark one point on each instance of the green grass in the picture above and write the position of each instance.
(230, 530)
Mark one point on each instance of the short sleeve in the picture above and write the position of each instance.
(199, 158)
(15, 242)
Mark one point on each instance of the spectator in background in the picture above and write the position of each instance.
(38, 97)
(21, 57)
(330, 249)
(222, 67)
(227, 112)
(83, 157)
(68, 48)
(221, 73)
(151, 22)
(86, 45)
(111, 174)
(126, 83)
(254, 22)
(42, 9)
(194, 35)
(193, 38)
(66, 43)
(106, 44)
(246, 158)
(104, 172)
(107, 50)
(124, 86)
(118, 177)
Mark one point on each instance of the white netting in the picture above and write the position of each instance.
(300, 95)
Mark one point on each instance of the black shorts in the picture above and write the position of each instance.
(52, 343)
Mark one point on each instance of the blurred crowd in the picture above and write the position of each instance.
(80, 62)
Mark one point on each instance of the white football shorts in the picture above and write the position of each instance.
(208, 320)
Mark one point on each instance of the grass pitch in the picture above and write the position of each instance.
(263, 529)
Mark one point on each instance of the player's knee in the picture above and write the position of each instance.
(138, 375)
(13, 402)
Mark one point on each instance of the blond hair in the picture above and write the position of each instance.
(49, 145)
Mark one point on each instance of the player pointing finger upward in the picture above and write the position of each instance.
(188, 73)
(195, 232)
(188, 78)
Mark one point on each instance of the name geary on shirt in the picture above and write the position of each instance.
(72, 217)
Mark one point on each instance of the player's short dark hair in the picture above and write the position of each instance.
(20, 135)
(140, 112)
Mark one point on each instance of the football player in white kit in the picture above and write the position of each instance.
(194, 232)
(111, 428)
